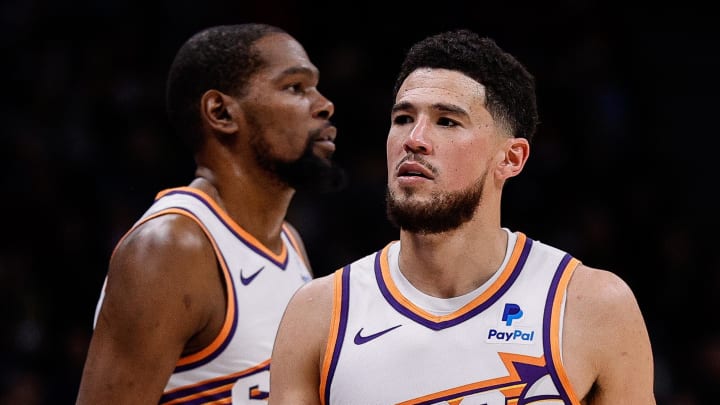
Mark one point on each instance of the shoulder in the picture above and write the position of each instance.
(606, 347)
(169, 247)
(597, 291)
(602, 302)
(307, 319)
(162, 257)
(316, 294)
(309, 311)
(169, 230)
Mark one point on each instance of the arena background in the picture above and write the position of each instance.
(622, 172)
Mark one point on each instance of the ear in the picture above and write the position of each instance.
(219, 111)
(516, 153)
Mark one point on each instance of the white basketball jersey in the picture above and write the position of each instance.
(499, 345)
(259, 284)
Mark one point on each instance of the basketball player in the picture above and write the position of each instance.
(461, 310)
(196, 289)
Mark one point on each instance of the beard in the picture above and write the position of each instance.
(308, 172)
(444, 212)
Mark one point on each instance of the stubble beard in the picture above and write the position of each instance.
(443, 212)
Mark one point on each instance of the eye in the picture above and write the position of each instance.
(401, 119)
(296, 88)
(446, 122)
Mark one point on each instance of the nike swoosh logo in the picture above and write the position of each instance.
(250, 278)
(360, 339)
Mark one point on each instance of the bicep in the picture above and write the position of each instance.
(149, 311)
(299, 345)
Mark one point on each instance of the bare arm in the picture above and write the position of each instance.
(606, 347)
(299, 346)
(161, 283)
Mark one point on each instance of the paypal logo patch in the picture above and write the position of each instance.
(511, 313)
(508, 333)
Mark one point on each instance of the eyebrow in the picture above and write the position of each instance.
(442, 107)
(298, 70)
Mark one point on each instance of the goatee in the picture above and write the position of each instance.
(308, 172)
(443, 212)
(312, 173)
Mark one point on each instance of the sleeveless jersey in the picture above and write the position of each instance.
(389, 343)
(234, 368)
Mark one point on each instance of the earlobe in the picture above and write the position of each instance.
(216, 109)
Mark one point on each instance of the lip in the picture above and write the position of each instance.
(328, 147)
(406, 168)
(324, 143)
(328, 133)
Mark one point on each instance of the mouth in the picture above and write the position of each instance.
(410, 169)
(324, 142)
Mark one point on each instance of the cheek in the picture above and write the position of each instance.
(468, 161)
(394, 144)
(287, 140)
(394, 151)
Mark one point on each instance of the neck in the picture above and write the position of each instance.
(259, 209)
(452, 263)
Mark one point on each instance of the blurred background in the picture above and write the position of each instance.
(622, 172)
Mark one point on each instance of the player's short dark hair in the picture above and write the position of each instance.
(221, 58)
(510, 88)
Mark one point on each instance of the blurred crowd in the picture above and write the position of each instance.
(621, 172)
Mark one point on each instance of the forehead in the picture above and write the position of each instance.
(283, 54)
(431, 86)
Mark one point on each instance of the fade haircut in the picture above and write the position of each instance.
(222, 58)
(509, 87)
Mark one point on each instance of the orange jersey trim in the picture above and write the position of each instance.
(496, 285)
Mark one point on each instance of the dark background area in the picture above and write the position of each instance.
(622, 172)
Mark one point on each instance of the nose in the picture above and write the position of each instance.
(323, 108)
(417, 141)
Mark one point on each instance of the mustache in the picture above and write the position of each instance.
(417, 158)
(317, 134)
